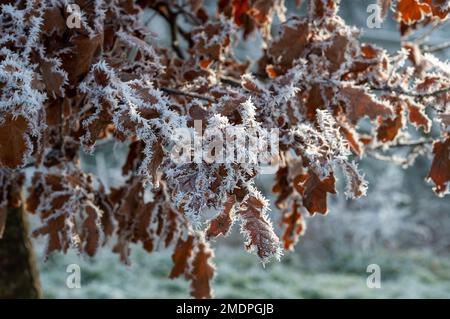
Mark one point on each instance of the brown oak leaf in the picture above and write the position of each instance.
(181, 255)
(13, 141)
(221, 224)
(417, 115)
(202, 272)
(411, 11)
(389, 128)
(257, 229)
(314, 191)
(440, 167)
(91, 234)
(295, 226)
(359, 103)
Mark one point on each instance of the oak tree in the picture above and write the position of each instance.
(333, 99)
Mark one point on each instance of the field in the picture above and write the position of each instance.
(406, 274)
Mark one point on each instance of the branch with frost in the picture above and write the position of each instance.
(402, 91)
(179, 92)
(408, 143)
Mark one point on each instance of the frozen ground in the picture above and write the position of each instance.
(411, 274)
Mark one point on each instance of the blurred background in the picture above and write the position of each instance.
(401, 225)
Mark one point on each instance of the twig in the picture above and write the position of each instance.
(230, 81)
(187, 14)
(436, 48)
(422, 38)
(417, 149)
(409, 93)
(413, 143)
(193, 95)
(171, 19)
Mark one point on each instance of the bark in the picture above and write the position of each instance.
(19, 277)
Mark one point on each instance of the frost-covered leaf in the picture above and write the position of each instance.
(62, 202)
(440, 167)
(79, 59)
(91, 229)
(181, 256)
(157, 158)
(192, 258)
(294, 226)
(389, 128)
(54, 21)
(14, 141)
(250, 14)
(359, 103)
(222, 223)
(323, 8)
(54, 77)
(150, 223)
(314, 191)
(356, 185)
(202, 271)
(283, 50)
(257, 229)
(353, 139)
(410, 11)
(417, 115)
(282, 186)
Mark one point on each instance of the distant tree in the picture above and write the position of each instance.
(72, 73)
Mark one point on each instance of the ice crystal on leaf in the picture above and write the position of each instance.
(257, 228)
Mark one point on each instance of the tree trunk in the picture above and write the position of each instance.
(18, 271)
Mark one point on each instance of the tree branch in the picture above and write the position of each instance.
(188, 14)
(422, 38)
(400, 90)
(230, 81)
(171, 18)
(408, 143)
(193, 95)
